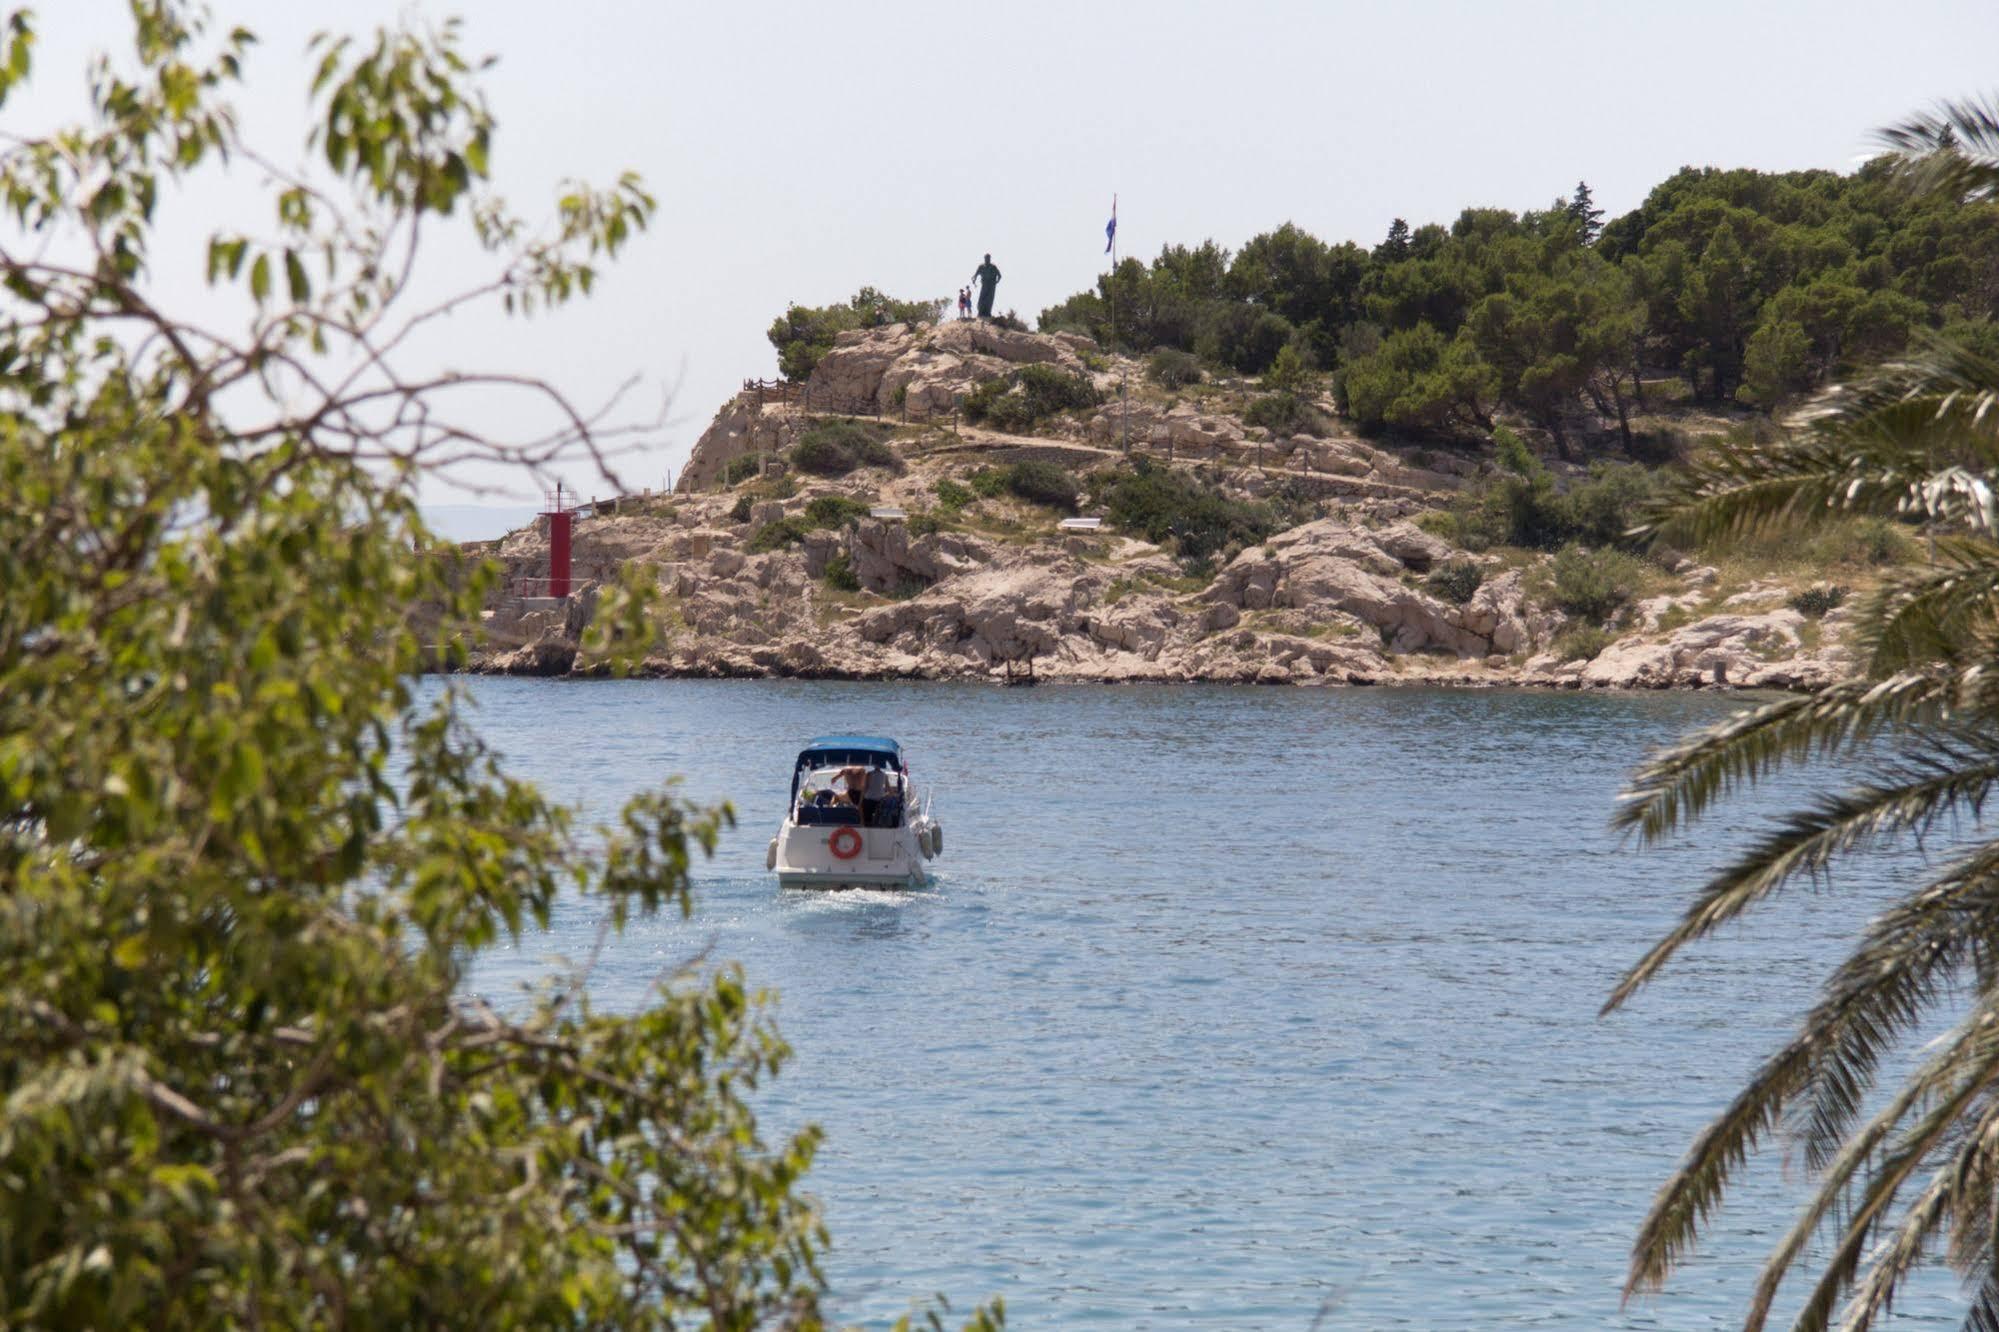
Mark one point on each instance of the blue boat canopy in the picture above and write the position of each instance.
(828, 750)
(842, 751)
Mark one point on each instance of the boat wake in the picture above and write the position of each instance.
(850, 899)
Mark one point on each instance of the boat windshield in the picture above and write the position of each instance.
(868, 795)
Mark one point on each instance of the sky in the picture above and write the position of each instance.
(800, 151)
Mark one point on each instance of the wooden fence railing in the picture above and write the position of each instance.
(774, 390)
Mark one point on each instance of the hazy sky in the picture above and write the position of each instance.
(802, 150)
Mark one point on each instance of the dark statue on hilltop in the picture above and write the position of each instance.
(988, 278)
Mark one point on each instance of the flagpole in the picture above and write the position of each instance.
(1124, 370)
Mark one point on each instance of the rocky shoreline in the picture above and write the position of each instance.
(767, 571)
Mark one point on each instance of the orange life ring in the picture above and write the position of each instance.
(848, 837)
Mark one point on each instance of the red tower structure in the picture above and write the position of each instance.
(559, 520)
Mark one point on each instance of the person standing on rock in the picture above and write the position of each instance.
(988, 278)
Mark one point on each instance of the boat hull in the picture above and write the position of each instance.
(803, 857)
(838, 880)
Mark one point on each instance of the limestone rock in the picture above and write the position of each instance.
(885, 559)
(925, 370)
(742, 427)
(1719, 650)
(1329, 566)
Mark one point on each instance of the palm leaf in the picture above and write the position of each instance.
(1880, 992)
(1901, 1253)
(1878, 995)
(1860, 1187)
(1948, 613)
(1679, 783)
(1952, 149)
(1924, 789)
(1917, 440)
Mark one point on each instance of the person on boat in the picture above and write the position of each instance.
(874, 790)
(851, 780)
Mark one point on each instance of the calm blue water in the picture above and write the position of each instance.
(1232, 1007)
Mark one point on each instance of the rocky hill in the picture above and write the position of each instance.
(907, 555)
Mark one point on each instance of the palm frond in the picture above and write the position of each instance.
(1922, 789)
(1933, 410)
(1874, 1293)
(1952, 149)
(1694, 1191)
(1860, 1186)
(1739, 489)
(1916, 438)
(1947, 613)
(1678, 783)
(1882, 989)
(1984, 1313)
(1877, 996)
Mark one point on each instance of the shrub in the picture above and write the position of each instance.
(804, 333)
(953, 496)
(835, 448)
(1522, 507)
(1604, 507)
(1172, 368)
(840, 573)
(1043, 483)
(1866, 542)
(923, 522)
(988, 482)
(1286, 414)
(834, 511)
(738, 470)
(875, 452)
(1581, 642)
(1442, 523)
(823, 455)
(1456, 582)
(1160, 503)
(1290, 372)
(740, 510)
(783, 532)
(1816, 601)
(1850, 541)
(1016, 401)
(1594, 583)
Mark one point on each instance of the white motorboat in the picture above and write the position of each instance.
(855, 820)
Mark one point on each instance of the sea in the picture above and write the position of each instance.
(1228, 1007)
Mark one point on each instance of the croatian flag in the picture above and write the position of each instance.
(1110, 228)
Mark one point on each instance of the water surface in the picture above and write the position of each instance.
(1231, 1008)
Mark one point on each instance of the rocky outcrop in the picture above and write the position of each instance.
(924, 370)
(741, 428)
(1343, 599)
(1719, 650)
(1331, 566)
(885, 559)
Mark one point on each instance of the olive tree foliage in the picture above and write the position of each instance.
(243, 871)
